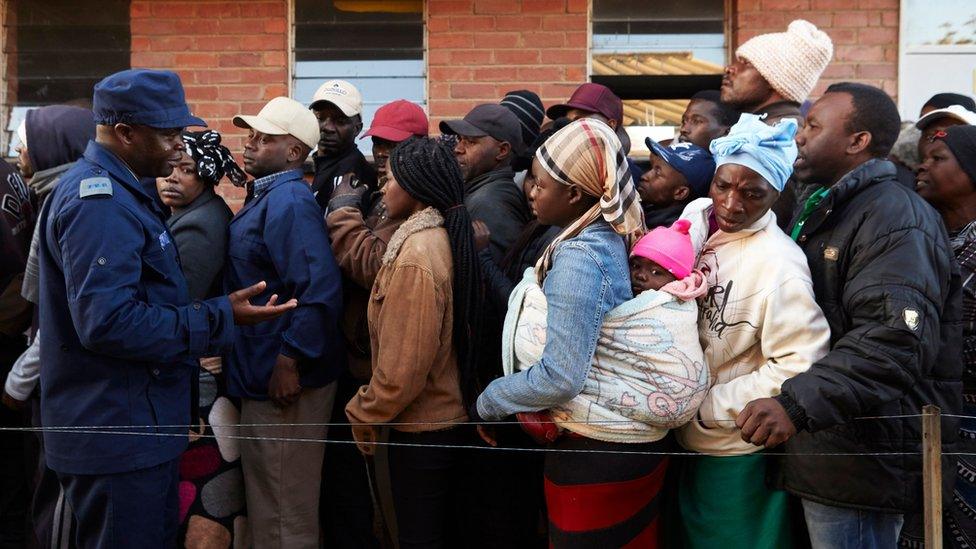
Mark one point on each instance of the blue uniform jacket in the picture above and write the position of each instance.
(120, 335)
(280, 237)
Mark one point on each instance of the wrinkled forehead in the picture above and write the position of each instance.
(742, 177)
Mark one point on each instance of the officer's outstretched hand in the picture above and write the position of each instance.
(247, 314)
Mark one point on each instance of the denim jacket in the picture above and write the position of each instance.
(589, 277)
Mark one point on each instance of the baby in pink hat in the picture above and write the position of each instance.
(664, 260)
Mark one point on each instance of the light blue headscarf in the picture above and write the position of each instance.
(768, 150)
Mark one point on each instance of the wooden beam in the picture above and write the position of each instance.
(932, 474)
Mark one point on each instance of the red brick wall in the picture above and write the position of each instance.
(231, 55)
(480, 49)
(865, 35)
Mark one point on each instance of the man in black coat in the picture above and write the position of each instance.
(884, 276)
(338, 106)
(488, 140)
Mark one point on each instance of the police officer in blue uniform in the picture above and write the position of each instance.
(120, 334)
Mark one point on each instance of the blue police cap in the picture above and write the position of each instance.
(691, 161)
(143, 96)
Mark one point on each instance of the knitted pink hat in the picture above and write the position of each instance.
(669, 247)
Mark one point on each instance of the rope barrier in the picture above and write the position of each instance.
(128, 430)
(444, 424)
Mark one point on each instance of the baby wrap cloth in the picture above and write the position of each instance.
(648, 373)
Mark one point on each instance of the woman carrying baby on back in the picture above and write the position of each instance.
(615, 372)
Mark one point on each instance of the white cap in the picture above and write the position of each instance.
(952, 111)
(283, 116)
(342, 94)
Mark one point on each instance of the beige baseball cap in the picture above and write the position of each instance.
(342, 94)
(283, 116)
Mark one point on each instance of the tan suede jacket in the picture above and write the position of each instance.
(415, 373)
(359, 244)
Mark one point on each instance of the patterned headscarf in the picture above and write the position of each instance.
(213, 160)
(587, 153)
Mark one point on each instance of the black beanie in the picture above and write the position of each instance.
(943, 100)
(961, 140)
(528, 108)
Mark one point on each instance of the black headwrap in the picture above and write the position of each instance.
(961, 140)
(426, 169)
(213, 160)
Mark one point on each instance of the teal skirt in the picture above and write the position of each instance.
(724, 503)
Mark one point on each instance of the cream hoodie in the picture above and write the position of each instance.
(759, 323)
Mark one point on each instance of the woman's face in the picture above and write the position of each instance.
(182, 186)
(552, 202)
(940, 181)
(740, 197)
(399, 203)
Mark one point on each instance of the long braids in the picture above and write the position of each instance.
(427, 170)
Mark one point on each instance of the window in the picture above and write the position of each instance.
(944, 38)
(55, 51)
(378, 46)
(655, 56)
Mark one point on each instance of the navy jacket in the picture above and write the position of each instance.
(279, 236)
(121, 336)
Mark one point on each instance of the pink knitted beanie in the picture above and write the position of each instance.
(790, 61)
(669, 247)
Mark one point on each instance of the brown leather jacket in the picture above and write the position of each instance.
(415, 373)
(359, 244)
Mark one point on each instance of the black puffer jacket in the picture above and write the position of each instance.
(884, 275)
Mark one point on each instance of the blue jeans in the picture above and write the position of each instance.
(840, 528)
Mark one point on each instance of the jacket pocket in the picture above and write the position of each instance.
(248, 250)
(256, 356)
(162, 279)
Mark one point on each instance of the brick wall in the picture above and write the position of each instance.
(865, 35)
(480, 49)
(232, 57)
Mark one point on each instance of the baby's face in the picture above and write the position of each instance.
(647, 275)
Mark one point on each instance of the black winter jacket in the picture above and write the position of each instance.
(884, 275)
(495, 199)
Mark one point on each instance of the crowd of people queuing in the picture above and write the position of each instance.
(508, 335)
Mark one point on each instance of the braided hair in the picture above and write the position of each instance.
(427, 170)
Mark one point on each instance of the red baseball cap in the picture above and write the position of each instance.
(398, 120)
(592, 98)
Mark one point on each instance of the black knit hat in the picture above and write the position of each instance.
(528, 108)
(961, 140)
(943, 100)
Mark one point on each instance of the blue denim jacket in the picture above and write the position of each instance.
(589, 277)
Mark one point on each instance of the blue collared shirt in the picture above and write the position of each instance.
(261, 184)
(280, 237)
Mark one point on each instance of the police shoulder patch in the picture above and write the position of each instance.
(95, 186)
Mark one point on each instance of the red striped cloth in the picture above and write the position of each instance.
(609, 514)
